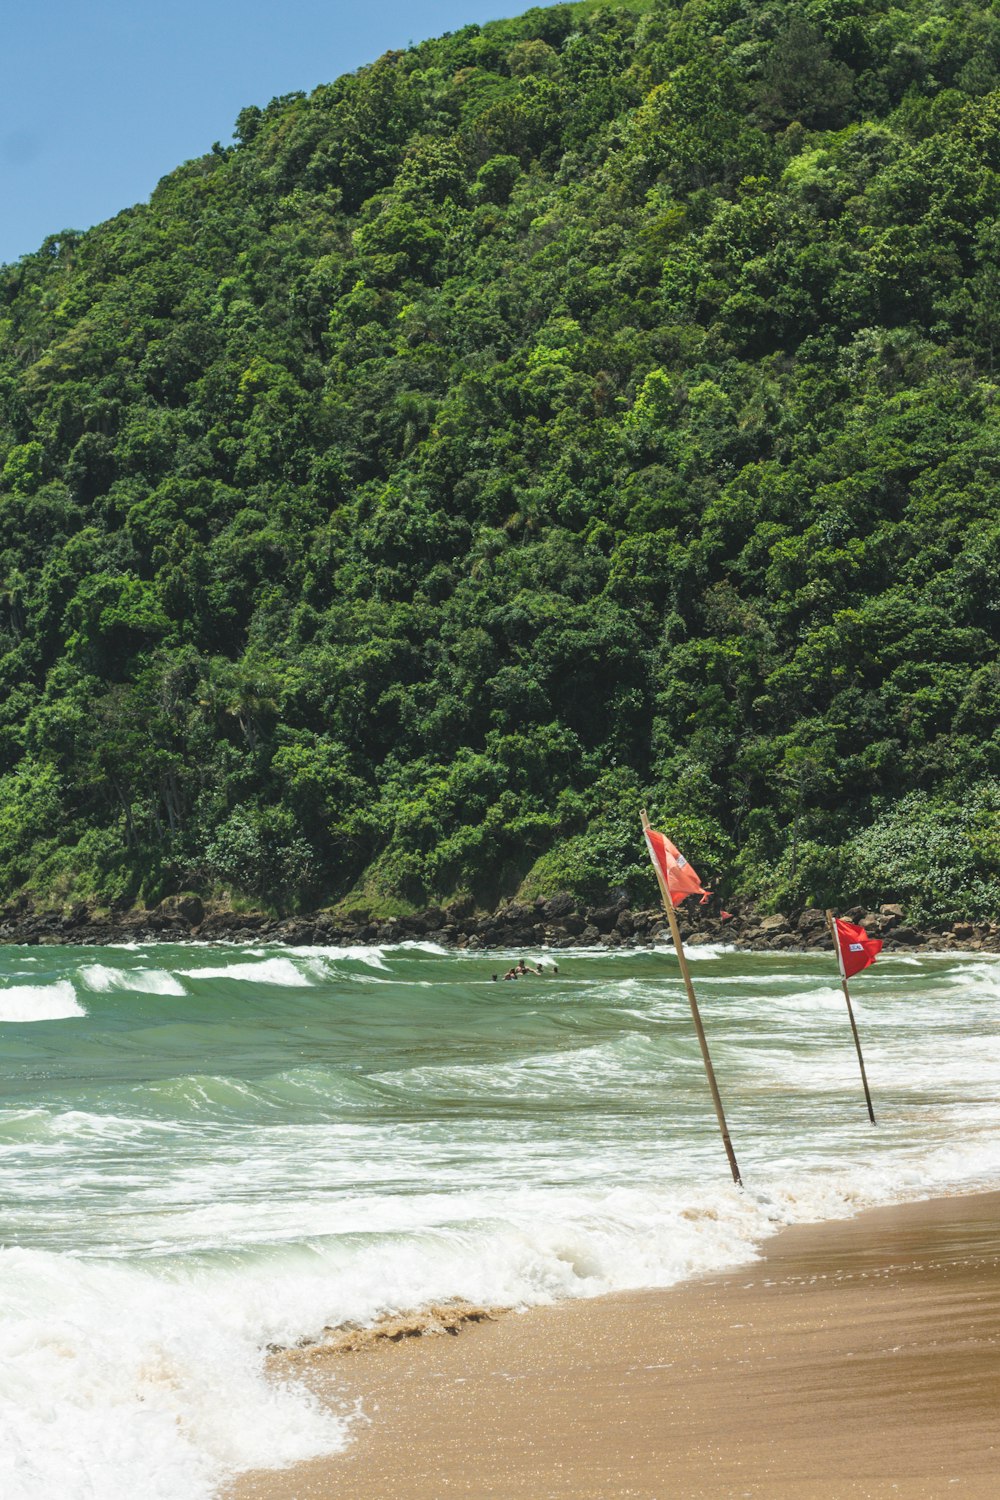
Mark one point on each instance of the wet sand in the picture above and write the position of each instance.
(856, 1359)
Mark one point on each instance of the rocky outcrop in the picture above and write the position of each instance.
(558, 922)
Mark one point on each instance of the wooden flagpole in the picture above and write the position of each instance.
(695, 1015)
(850, 1012)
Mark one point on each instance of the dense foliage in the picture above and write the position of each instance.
(576, 412)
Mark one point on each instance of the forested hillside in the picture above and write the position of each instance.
(586, 411)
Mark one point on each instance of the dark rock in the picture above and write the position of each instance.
(573, 923)
(777, 923)
(443, 935)
(515, 914)
(187, 907)
(555, 921)
(165, 924)
(215, 922)
(605, 917)
(431, 919)
(558, 907)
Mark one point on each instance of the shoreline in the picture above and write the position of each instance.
(554, 924)
(855, 1357)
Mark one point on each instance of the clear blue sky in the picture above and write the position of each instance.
(99, 101)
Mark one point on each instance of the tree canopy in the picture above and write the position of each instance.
(577, 412)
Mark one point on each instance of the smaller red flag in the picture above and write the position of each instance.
(681, 880)
(855, 949)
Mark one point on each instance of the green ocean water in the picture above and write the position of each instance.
(203, 1150)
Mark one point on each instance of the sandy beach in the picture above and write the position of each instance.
(856, 1358)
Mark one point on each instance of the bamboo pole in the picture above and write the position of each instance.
(850, 1012)
(695, 1015)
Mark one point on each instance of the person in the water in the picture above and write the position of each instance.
(516, 970)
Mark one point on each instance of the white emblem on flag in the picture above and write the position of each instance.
(855, 948)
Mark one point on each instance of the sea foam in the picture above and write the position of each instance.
(373, 957)
(275, 971)
(40, 1002)
(102, 978)
(116, 1382)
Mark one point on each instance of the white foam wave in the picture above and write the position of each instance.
(695, 950)
(822, 998)
(558, 1075)
(526, 1245)
(357, 953)
(77, 1127)
(157, 1385)
(40, 1002)
(120, 1381)
(102, 978)
(277, 971)
(980, 982)
(708, 950)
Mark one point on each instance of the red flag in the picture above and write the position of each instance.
(855, 949)
(681, 881)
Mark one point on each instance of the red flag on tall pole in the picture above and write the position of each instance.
(676, 880)
(855, 951)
